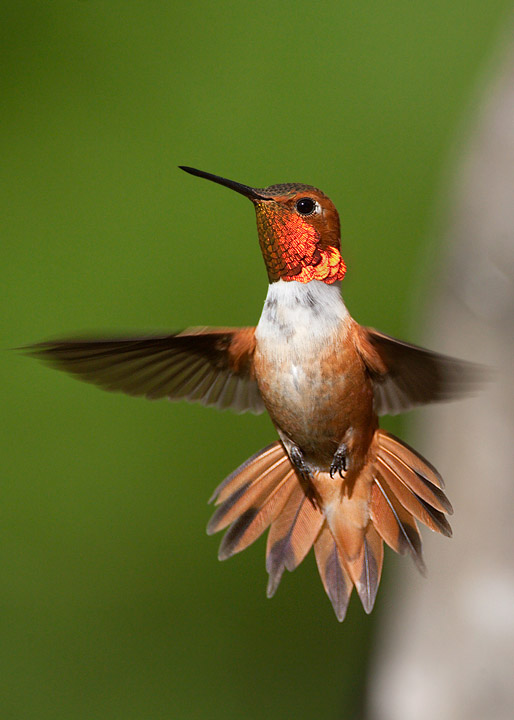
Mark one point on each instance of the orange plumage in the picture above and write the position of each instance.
(334, 480)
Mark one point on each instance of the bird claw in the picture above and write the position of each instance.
(298, 460)
(305, 477)
(340, 462)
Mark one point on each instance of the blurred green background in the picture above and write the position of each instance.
(112, 602)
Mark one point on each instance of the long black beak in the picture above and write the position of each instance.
(245, 190)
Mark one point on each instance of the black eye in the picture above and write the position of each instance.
(305, 206)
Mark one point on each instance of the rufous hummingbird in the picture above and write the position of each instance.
(334, 479)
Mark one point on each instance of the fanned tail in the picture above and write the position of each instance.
(334, 575)
(291, 536)
(406, 489)
(394, 490)
(251, 497)
(266, 491)
(360, 547)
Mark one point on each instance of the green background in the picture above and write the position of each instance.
(112, 602)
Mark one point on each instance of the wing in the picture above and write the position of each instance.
(405, 375)
(213, 366)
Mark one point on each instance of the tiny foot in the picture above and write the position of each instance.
(305, 477)
(298, 460)
(340, 461)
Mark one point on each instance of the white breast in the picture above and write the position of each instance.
(297, 317)
(300, 326)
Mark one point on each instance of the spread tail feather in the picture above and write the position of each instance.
(394, 524)
(291, 536)
(406, 488)
(396, 488)
(414, 482)
(334, 575)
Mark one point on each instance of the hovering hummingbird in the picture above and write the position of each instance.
(334, 479)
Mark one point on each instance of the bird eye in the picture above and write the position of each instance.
(305, 206)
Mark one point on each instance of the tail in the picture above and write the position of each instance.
(395, 489)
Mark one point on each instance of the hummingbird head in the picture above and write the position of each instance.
(298, 228)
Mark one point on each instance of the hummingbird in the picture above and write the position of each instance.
(334, 479)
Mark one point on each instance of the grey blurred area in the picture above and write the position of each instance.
(447, 645)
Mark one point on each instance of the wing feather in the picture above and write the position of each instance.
(213, 366)
(405, 376)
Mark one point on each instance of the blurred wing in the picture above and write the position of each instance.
(405, 375)
(213, 366)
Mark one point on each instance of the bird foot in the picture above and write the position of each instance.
(304, 472)
(299, 461)
(340, 461)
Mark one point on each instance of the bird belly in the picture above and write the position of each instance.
(301, 399)
(311, 379)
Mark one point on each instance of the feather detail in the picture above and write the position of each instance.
(250, 494)
(373, 558)
(254, 521)
(336, 580)
(405, 375)
(361, 553)
(291, 536)
(251, 497)
(347, 534)
(253, 467)
(432, 518)
(213, 366)
(364, 567)
(348, 514)
(394, 524)
(408, 456)
(418, 483)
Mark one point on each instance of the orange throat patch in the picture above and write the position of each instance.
(293, 250)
